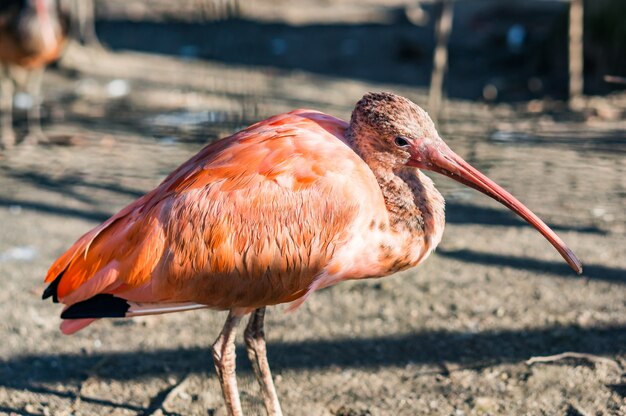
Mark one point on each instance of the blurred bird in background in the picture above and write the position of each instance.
(32, 35)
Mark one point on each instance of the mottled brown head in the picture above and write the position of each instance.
(384, 125)
(391, 132)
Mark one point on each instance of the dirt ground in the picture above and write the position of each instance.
(451, 337)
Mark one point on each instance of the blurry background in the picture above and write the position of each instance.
(163, 78)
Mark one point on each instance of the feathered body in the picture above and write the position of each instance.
(262, 217)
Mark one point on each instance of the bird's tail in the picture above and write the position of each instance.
(107, 272)
(81, 314)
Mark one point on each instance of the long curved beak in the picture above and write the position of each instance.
(442, 160)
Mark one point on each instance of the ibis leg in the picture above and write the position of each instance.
(7, 135)
(33, 86)
(224, 359)
(255, 343)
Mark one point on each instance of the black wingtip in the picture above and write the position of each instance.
(51, 290)
(99, 306)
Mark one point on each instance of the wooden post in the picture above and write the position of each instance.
(440, 58)
(575, 53)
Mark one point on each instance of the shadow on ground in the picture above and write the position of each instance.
(469, 349)
(590, 271)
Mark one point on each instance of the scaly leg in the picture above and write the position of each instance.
(7, 135)
(255, 343)
(224, 359)
(33, 86)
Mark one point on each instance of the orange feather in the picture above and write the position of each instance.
(235, 226)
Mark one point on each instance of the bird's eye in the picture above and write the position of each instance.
(401, 141)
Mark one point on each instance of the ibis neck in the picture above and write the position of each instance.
(400, 201)
(412, 201)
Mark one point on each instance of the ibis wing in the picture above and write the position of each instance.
(246, 222)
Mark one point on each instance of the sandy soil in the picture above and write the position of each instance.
(450, 338)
